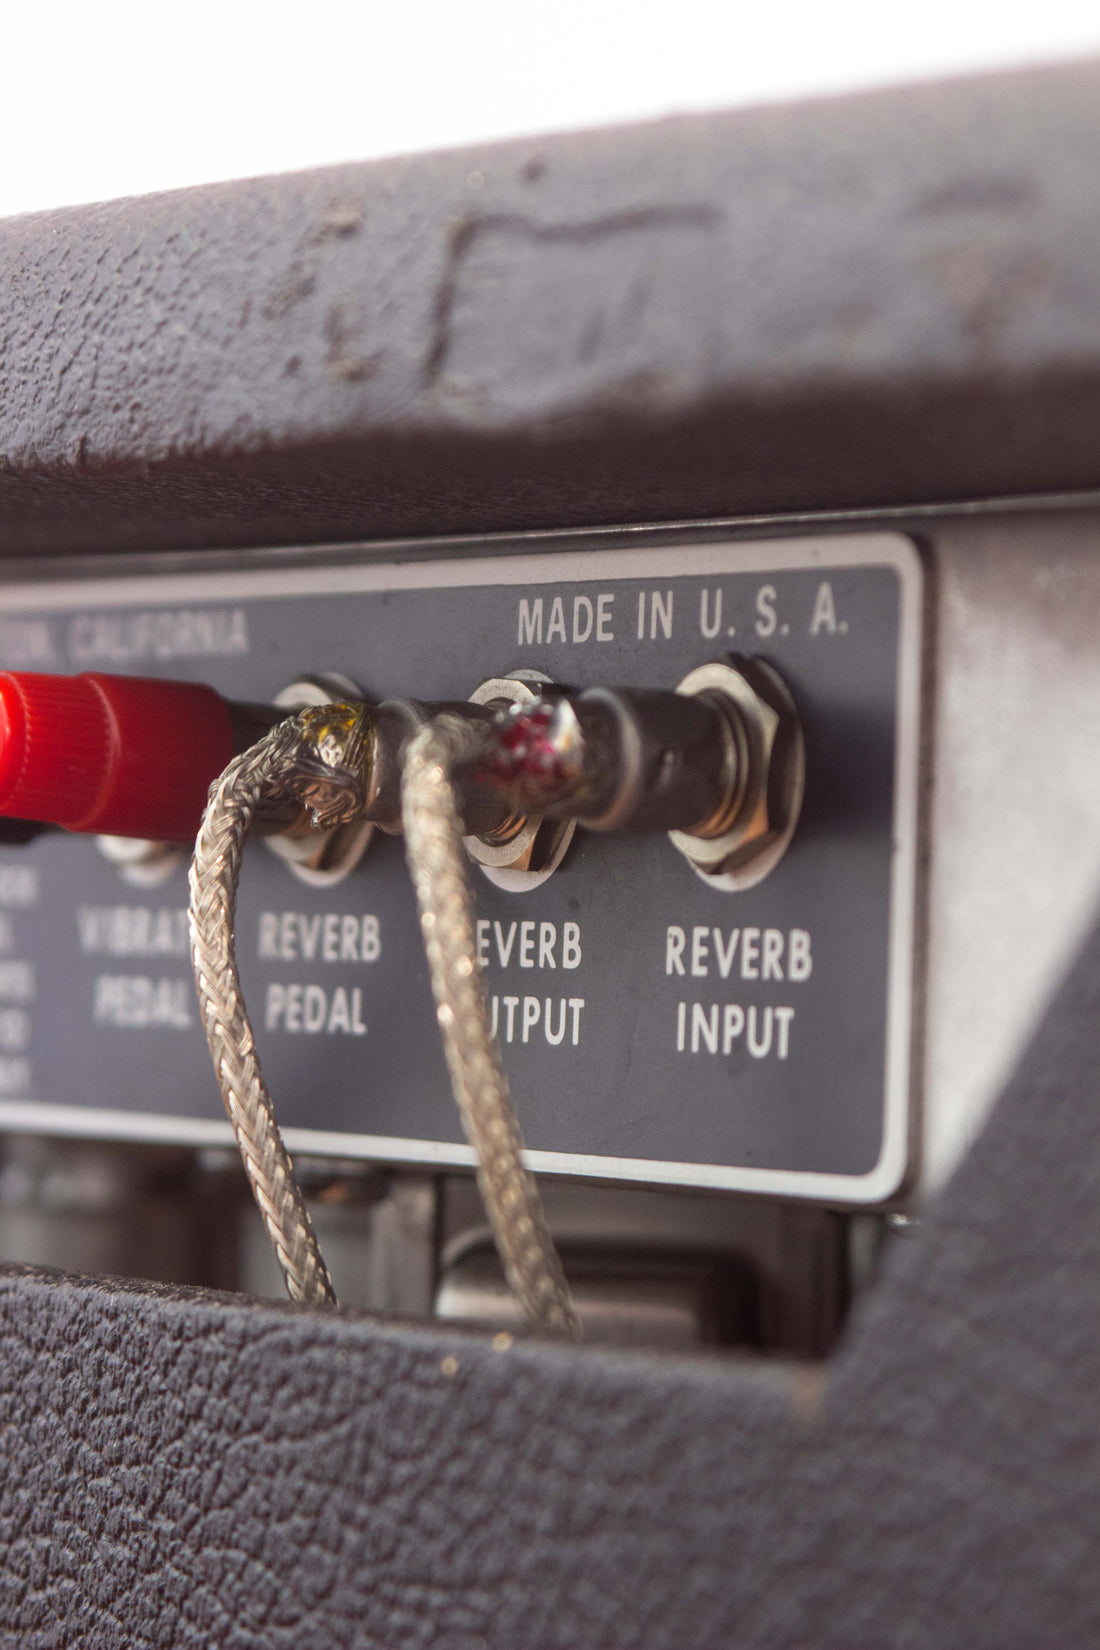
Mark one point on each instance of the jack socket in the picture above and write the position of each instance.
(523, 852)
(320, 858)
(741, 847)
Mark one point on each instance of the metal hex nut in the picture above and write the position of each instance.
(739, 849)
(525, 857)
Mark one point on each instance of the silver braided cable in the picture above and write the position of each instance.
(316, 759)
(438, 863)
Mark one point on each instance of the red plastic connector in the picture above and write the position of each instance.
(122, 755)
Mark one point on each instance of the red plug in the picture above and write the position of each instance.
(122, 755)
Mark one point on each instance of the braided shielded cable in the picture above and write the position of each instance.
(320, 759)
(437, 860)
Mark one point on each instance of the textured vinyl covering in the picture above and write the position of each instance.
(185, 1470)
(889, 298)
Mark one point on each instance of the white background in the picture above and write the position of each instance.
(113, 98)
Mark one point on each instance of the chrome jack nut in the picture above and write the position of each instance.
(741, 846)
(525, 851)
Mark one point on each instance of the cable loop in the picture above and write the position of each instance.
(437, 860)
(319, 759)
(323, 760)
